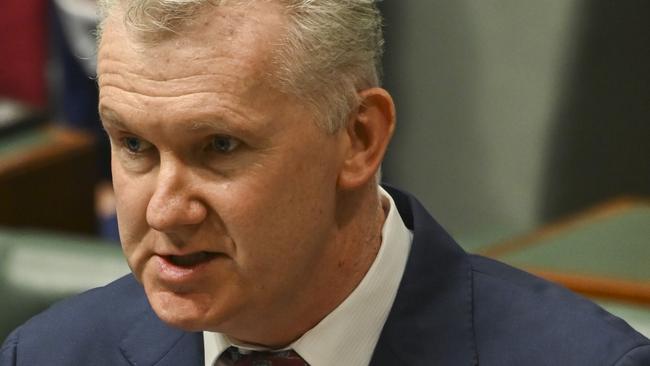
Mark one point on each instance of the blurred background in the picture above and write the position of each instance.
(515, 119)
(514, 113)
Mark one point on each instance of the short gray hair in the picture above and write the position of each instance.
(331, 51)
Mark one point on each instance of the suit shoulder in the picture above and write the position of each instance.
(89, 320)
(116, 302)
(536, 319)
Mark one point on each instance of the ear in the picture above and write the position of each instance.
(369, 130)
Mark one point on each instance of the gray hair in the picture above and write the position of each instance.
(331, 51)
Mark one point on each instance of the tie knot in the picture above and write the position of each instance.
(233, 356)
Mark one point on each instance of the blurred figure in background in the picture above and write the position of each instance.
(74, 24)
(23, 51)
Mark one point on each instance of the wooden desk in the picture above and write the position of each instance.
(47, 180)
(603, 253)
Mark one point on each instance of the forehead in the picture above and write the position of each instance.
(242, 36)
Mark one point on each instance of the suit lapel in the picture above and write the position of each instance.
(430, 322)
(151, 342)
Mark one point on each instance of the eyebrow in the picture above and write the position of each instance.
(207, 125)
(110, 117)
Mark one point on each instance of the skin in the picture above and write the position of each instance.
(208, 157)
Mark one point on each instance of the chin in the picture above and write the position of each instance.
(181, 311)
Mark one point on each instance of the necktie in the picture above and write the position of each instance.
(233, 357)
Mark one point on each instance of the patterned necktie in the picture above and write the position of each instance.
(233, 357)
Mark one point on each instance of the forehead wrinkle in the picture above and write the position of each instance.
(123, 68)
(173, 88)
(220, 118)
(126, 72)
(175, 81)
(226, 87)
(221, 107)
(170, 95)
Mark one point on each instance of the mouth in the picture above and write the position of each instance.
(190, 260)
(184, 269)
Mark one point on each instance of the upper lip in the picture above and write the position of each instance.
(182, 253)
(169, 245)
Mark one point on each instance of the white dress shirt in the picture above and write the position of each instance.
(347, 335)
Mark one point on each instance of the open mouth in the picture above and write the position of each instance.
(190, 260)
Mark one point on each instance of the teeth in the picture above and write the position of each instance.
(191, 259)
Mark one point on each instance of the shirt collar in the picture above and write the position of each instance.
(348, 335)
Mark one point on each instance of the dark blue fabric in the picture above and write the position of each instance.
(111, 326)
(451, 309)
(108, 228)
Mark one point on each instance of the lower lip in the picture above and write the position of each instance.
(169, 272)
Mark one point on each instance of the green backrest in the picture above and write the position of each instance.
(38, 269)
(615, 246)
(612, 245)
(638, 316)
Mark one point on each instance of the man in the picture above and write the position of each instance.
(246, 137)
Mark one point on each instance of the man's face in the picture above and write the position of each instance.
(225, 188)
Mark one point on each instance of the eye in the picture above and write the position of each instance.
(224, 144)
(135, 145)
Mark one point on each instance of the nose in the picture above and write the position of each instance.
(174, 206)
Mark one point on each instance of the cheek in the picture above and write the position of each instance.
(276, 213)
(131, 200)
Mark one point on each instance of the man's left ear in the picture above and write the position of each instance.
(369, 131)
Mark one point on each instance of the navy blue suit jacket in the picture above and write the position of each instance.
(451, 309)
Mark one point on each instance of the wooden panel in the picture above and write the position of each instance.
(47, 180)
